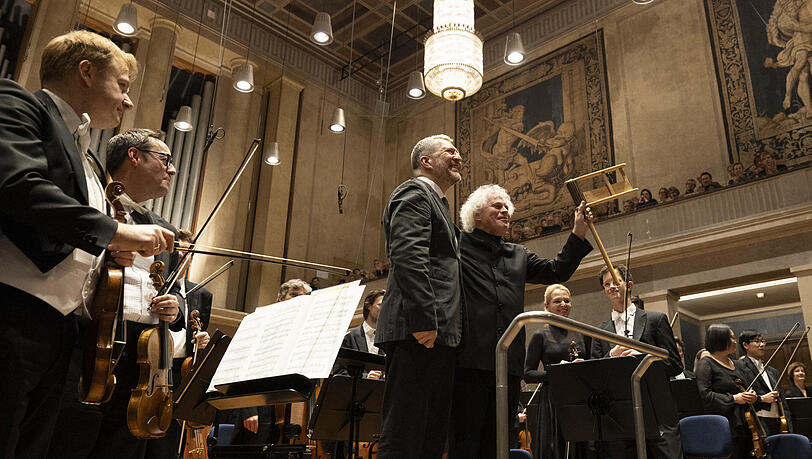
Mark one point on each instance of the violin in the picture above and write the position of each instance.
(574, 351)
(756, 429)
(149, 412)
(194, 446)
(97, 380)
(783, 418)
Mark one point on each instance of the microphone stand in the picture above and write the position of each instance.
(626, 285)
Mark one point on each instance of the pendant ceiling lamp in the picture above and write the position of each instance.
(272, 154)
(183, 122)
(453, 54)
(322, 31)
(127, 20)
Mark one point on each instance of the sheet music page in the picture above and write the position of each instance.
(301, 335)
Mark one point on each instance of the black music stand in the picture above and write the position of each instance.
(601, 390)
(800, 409)
(190, 397)
(685, 393)
(349, 407)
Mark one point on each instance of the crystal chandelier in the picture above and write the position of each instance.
(453, 55)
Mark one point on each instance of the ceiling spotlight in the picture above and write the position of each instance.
(244, 77)
(760, 295)
(322, 31)
(272, 154)
(339, 124)
(416, 89)
(514, 49)
(127, 20)
(183, 122)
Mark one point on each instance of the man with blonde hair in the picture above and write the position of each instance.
(54, 225)
(494, 274)
(420, 324)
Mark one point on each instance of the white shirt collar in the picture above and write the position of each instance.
(78, 126)
(433, 185)
(620, 315)
(367, 329)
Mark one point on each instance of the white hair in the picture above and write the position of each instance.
(426, 147)
(479, 199)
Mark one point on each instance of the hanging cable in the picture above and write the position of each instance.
(343, 190)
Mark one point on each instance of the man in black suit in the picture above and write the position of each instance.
(494, 275)
(362, 337)
(751, 345)
(421, 320)
(648, 327)
(54, 224)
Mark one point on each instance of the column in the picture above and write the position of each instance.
(804, 275)
(153, 80)
(274, 193)
(664, 301)
(49, 19)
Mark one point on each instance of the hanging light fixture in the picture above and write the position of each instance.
(514, 49)
(322, 31)
(416, 89)
(642, 2)
(244, 77)
(338, 125)
(183, 122)
(272, 154)
(453, 55)
(127, 20)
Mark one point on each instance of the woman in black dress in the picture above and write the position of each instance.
(797, 377)
(549, 346)
(716, 377)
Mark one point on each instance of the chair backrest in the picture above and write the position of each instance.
(788, 446)
(706, 435)
(520, 454)
(224, 432)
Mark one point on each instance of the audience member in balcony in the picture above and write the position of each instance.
(673, 193)
(690, 186)
(315, 283)
(628, 206)
(611, 208)
(646, 200)
(706, 182)
(769, 166)
(381, 270)
(636, 202)
(737, 174)
(663, 194)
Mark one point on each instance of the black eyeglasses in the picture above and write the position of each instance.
(166, 158)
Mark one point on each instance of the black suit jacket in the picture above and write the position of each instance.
(650, 327)
(43, 209)
(198, 301)
(749, 372)
(423, 289)
(355, 339)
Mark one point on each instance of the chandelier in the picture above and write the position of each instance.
(453, 55)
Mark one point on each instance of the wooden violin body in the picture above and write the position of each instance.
(97, 381)
(195, 445)
(149, 412)
(756, 429)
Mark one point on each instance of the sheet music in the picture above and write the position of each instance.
(301, 335)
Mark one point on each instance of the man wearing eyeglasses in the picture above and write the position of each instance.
(142, 162)
(751, 367)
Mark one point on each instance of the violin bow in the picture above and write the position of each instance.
(794, 327)
(791, 356)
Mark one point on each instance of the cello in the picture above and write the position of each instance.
(99, 358)
(149, 411)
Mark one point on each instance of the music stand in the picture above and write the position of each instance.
(190, 398)
(685, 393)
(349, 407)
(800, 409)
(578, 394)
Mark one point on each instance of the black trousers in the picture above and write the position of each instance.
(473, 414)
(416, 401)
(36, 341)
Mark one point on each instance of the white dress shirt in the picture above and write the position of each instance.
(624, 320)
(179, 337)
(369, 333)
(70, 285)
(773, 411)
(138, 289)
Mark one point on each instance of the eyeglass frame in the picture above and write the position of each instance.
(167, 157)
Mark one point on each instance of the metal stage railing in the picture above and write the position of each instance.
(654, 353)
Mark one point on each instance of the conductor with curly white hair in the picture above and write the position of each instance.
(494, 274)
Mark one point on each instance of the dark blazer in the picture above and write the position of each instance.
(749, 372)
(793, 391)
(198, 301)
(650, 327)
(423, 288)
(44, 209)
(355, 339)
(494, 274)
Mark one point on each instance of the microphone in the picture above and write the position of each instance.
(342, 193)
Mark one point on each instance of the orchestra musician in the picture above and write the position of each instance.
(550, 346)
(54, 225)
(797, 377)
(142, 162)
(716, 377)
(362, 337)
(494, 274)
(420, 325)
(751, 345)
(184, 341)
(648, 327)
